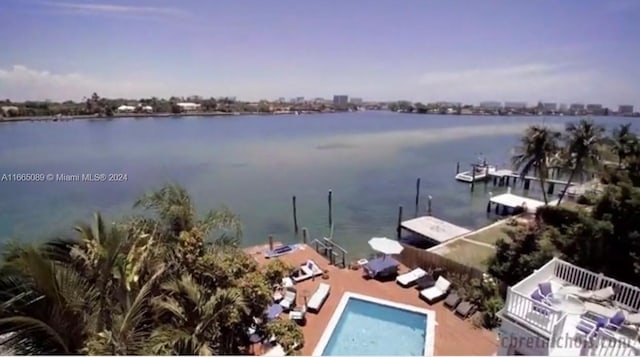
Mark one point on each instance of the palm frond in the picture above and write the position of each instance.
(26, 328)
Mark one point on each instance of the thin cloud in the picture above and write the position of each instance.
(528, 82)
(23, 83)
(119, 9)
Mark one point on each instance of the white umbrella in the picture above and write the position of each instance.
(385, 245)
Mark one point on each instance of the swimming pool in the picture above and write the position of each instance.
(367, 326)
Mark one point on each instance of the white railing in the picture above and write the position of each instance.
(626, 295)
(605, 345)
(533, 313)
(530, 283)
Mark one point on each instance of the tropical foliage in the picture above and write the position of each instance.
(605, 238)
(167, 282)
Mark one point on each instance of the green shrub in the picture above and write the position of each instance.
(277, 269)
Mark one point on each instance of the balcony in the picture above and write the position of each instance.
(558, 321)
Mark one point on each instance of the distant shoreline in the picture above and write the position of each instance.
(147, 115)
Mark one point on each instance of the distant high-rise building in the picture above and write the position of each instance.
(576, 106)
(515, 105)
(356, 101)
(562, 107)
(551, 107)
(282, 99)
(299, 100)
(625, 109)
(319, 100)
(491, 105)
(340, 100)
(595, 108)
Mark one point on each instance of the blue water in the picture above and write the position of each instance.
(255, 164)
(370, 329)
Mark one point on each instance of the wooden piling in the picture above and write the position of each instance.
(473, 176)
(507, 178)
(429, 205)
(330, 199)
(399, 226)
(305, 235)
(417, 196)
(489, 202)
(527, 183)
(458, 167)
(497, 208)
(295, 216)
(551, 188)
(270, 242)
(495, 180)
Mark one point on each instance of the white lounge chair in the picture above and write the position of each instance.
(289, 299)
(307, 271)
(277, 350)
(408, 279)
(318, 298)
(436, 292)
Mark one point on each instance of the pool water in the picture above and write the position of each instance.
(372, 329)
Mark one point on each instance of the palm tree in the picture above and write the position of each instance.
(173, 206)
(537, 146)
(582, 149)
(46, 307)
(99, 249)
(198, 321)
(623, 141)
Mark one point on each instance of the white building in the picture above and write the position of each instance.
(515, 105)
(356, 101)
(549, 326)
(551, 107)
(625, 109)
(147, 109)
(188, 106)
(491, 105)
(126, 109)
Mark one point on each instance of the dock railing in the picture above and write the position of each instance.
(331, 250)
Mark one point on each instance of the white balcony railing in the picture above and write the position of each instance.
(540, 316)
(626, 295)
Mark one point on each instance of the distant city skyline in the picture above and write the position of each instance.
(572, 51)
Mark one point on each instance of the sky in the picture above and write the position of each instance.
(420, 50)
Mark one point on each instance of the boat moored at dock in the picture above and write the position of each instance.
(477, 173)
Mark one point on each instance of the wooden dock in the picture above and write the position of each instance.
(433, 228)
(503, 173)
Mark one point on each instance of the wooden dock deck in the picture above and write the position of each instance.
(503, 173)
(453, 336)
(433, 228)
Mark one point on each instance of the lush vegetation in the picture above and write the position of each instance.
(605, 238)
(164, 283)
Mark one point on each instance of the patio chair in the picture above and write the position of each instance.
(298, 315)
(436, 292)
(452, 300)
(587, 329)
(545, 289)
(603, 294)
(465, 309)
(318, 298)
(536, 296)
(289, 299)
(615, 322)
(410, 278)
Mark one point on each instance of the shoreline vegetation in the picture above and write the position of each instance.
(96, 107)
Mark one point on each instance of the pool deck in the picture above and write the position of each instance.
(453, 335)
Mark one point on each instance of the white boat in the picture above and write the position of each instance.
(481, 173)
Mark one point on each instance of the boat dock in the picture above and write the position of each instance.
(433, 229)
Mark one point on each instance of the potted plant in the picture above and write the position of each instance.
(325, 274)
(354, 265)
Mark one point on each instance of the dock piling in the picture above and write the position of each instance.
(295, 216)
(417, 196)
(458, 167)
(305, 235)
(429, 205)
(399, 227)
(270, 242)
(527, 183)
(473, 176)
(330, 199)
(489, 202)
(551, 188)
